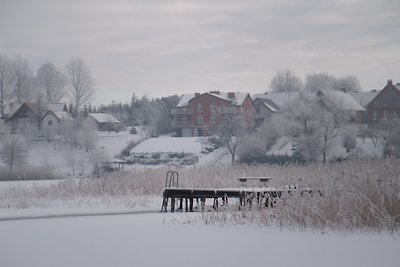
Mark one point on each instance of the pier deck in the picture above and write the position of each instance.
(182, 199)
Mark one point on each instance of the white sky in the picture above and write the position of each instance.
(164, 47)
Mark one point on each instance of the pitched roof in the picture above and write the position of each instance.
(103, 117)
(185, 100)
(57, 107)
(342, 100)
(282, 100)
(238, 98)
(269, 104)
(364, 98)
(60, 115)
(33, 107)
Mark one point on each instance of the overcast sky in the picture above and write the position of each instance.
(161, 47)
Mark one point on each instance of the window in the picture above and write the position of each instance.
(384, 115)
(200, 107)
(212, 108)
(212, 119)
(200, 119)
(375, 115)
(50, 123)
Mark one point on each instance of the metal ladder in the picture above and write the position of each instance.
(171, 181)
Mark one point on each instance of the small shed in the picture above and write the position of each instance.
(105, 121)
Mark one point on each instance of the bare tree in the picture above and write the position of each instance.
(319, 81)
(52, 82)
(13, 151)
(87, 135)
(231, 133)
(81, 82)
(285, 81)
(5, 80)
(22, 79)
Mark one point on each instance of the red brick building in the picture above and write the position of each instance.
(196, 114)
(385, 107)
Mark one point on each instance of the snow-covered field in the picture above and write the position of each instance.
(162, 239)
(177, 240)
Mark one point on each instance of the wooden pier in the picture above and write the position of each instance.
(194, 199)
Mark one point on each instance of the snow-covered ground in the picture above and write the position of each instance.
(161, 239)
(55, 154)
(183, 144)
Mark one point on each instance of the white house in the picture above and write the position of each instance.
(55, 122)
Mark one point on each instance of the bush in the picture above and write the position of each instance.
(262, 158)
(133, 130)
(156, 155)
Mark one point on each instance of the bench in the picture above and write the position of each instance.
(263, 180)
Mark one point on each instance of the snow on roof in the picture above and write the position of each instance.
(269, 104)
(342, 100)
(282, 100)
(62, 115)
(185, 100)
(364, 98)
(56, 106)
(103, 117)
(237, 100)
(238, 97)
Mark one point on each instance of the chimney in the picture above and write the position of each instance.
(390, 81)
(231, 95)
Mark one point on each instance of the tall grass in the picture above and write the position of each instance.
(27, 173)
(356, 194)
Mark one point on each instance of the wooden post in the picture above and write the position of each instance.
(203, 203)
(215, 204)
(186, 204)
(172, 204)
(191, 204)
(181, 204)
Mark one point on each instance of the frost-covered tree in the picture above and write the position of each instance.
(349, 83)
(51, 82)
(285, 81)
(390, 139)
(315, 123)
(231, 133)
(5, 82)
(87, 134)
(80, 81)
(13, 151)
(319, 81)
(349, 140)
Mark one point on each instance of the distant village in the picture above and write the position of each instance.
(196, 114)
(315, 116)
